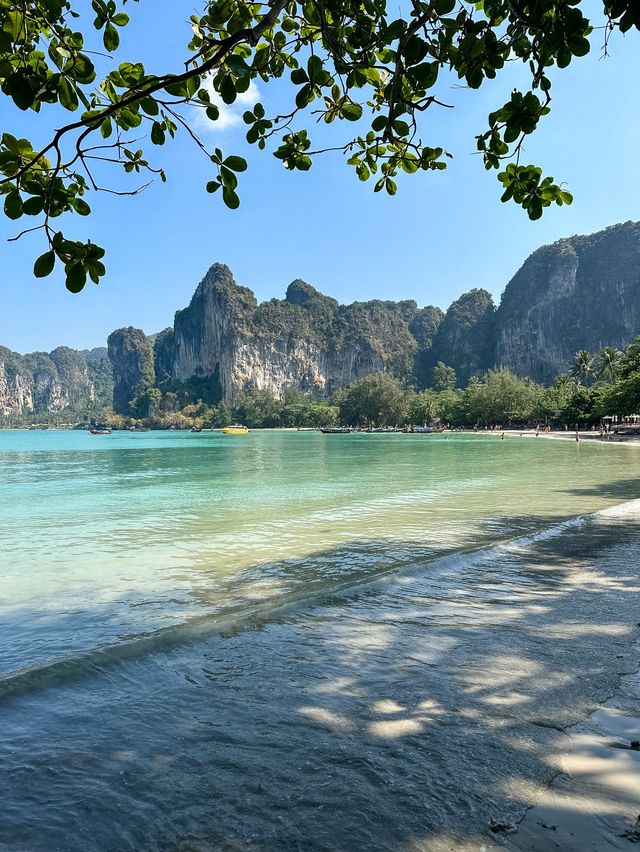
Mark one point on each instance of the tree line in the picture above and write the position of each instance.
(596, 386)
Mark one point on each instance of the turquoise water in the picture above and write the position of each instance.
(110, 538)
(281, 642)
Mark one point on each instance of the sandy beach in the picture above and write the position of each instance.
(592, 800)
(593, 803)
(630, 440)
(492, 700)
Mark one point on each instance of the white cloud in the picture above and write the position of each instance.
(230, 115)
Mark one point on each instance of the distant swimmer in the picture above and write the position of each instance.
(503, 436)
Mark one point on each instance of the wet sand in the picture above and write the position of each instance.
(418, 713)
(593, 804)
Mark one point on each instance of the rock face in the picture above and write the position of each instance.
(465, 340)
(131, 355)
(306, 341)
(100, 373)
(40, 381)
(579, 293)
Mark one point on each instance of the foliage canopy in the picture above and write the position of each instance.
(362, 62)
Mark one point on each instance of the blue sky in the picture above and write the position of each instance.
(442, 234)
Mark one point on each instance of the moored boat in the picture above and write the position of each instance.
(93, 431)
(236, 429)
(337, 430)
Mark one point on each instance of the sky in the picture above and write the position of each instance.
(443, 233)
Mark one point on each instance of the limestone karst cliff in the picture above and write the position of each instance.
(55, 381)
(306, 341)
(465, 339)
(579, 293)
(131, 354)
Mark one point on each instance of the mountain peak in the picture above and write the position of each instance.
(218, 273)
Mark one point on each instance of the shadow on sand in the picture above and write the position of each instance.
(404, 712)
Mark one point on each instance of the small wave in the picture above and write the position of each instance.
(61, 671)
(350, 512)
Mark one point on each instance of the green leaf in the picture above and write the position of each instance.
(14, 25)
(237, 164)
(579, 46)
(443, 7)
(351, 111)
(415, 49)
(230, 198)
(425, 74)
(150, 106)
(121, 19)
(81, 207)
(157, 133)
(535, 209)
(95, 269)
(111, 39)
(229, 180)
(67, 95)
(76, 277)
(13, 205)
(401, 127)
(33, 206)
(44, 264)
(511, 133)
(21, 91)
(304, 96)
(228, 90)
(314, 67)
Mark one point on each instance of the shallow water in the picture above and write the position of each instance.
(287, 658)
(112, 537)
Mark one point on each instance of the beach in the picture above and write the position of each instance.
(425, 645)
(422, 717)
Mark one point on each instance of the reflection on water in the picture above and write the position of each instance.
(151, 530)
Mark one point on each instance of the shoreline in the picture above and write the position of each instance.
(584, 435)
(593, 801)
(591, 437)
(503, 721)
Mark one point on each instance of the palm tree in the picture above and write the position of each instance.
(583, 367)
(608, 363)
